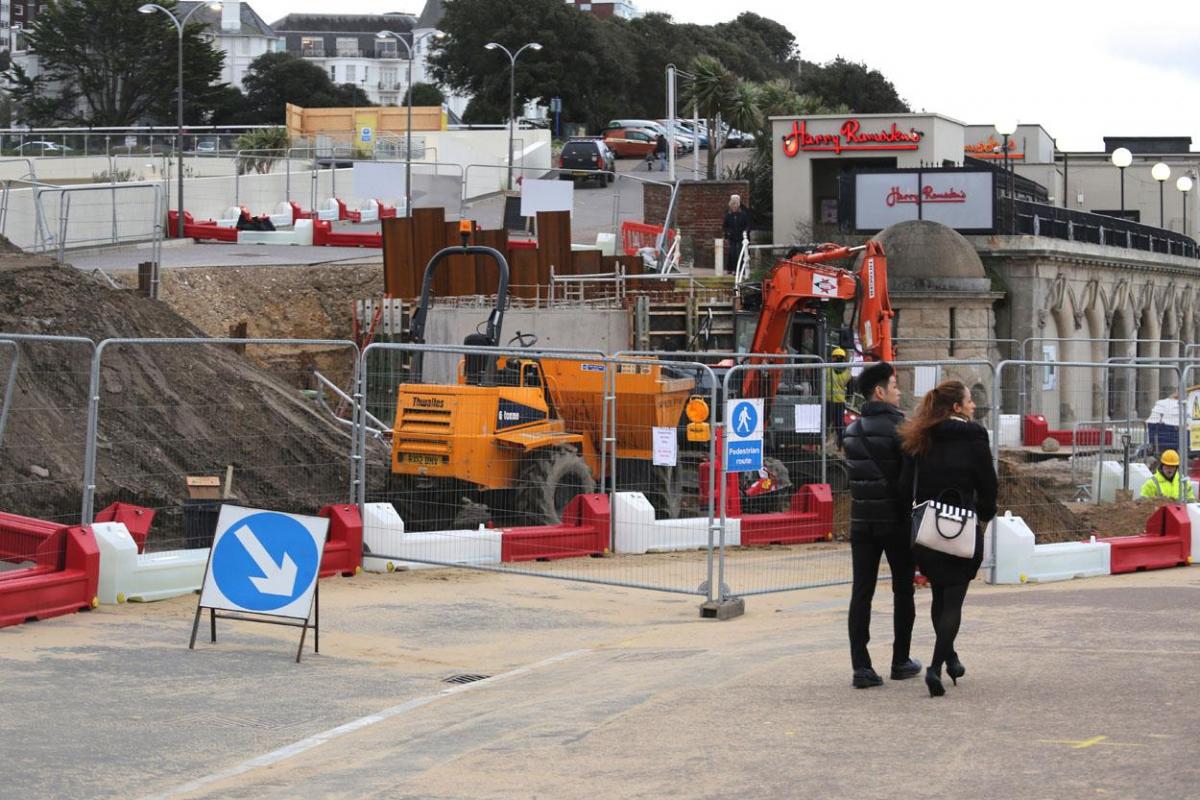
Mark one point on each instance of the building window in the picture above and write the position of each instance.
(18, 11)
(312, 46)
(387, 80)
(386, 49)
(333, 72)
(347, 46)
(351, 73)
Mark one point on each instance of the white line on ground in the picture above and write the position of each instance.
(286, 752)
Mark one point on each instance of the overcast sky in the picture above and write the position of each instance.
(1082, 70)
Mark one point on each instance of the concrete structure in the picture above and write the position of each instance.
(607, 9)
(238, 32)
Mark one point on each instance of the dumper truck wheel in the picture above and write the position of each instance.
(548, 480)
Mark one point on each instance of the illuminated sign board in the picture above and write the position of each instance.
(851, 136)
(957, 198)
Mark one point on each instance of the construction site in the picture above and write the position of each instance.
(543, 396)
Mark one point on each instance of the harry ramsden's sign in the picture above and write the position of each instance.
(850, 136)
(927, 195)
(993, 148)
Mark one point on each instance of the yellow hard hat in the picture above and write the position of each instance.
(837, 351)
(1169, 458)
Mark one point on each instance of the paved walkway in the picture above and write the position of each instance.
(1074, 690)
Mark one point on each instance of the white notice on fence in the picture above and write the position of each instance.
(924, 380)
(378, 180)
(666, 447)
(546, 196)
(808, 417)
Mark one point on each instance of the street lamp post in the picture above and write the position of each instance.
(512, 88)
(1184, 185)
(1160, 172)
(180, 24)
(1006, 129)
(408, 134)
(1122, 158)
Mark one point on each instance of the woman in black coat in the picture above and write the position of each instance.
(948, 459)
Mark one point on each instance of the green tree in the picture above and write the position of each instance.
(585, 61)
(425, 94)
(858, 87)
(722, 99)
(275, 79)
(104, 64)
(264, 147)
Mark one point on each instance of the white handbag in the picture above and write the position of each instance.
(943, 527)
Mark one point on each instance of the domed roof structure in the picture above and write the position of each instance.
(929, 256)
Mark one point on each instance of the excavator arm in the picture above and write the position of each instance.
(804, 281)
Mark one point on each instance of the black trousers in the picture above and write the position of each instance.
(946, 612)
(836, 419)
(865, 551)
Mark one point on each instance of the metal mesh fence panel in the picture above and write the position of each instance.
(43, 426)
(238, 415)
(563, 465)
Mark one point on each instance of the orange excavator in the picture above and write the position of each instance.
(802, 283)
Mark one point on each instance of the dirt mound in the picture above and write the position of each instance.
(8, 248)
(1127, 518)
(165, 412)
(1026, 496)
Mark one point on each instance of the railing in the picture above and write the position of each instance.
(1038, 219)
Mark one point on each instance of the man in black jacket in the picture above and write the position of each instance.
(879, 524)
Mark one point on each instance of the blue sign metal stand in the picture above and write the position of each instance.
(213, 615)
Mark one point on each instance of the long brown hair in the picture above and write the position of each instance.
(936, 407)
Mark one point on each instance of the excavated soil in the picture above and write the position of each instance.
(165, 412)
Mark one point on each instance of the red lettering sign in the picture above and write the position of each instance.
(850, 136)
(928, 195)
(992, 148)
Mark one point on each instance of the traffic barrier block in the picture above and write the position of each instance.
(583, 532)
(300, 234)
(1019, 559)
(1193, 510)
(810, 519)
(386, 545)
(208, 229)
(64, 575)
(136, 520)
(636, 530)
(1109, 476)
(1037, 430)
(344, 545)
(1167, 542)
(324, 235)
(127, 576)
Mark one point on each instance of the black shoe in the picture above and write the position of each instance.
(909, 669)
(933, 679)
(865, 678)
(955, 668)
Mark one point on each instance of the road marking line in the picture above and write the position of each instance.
(286, 752)
(1082, 744)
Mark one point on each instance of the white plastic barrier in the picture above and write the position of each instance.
(302, 234)
(126, 575)
(281, 217)
(383, 534)
(369, 212)
(1010, 430)
(1194, 518)
(638, 532)
(329, 210)
(1020, 560)
(1110, 476)
(229, 217)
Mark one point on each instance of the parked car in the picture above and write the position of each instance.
(206, 146)
(581, 158)
(633, 142)
(683, 142)
(684, 136)
(42, 148)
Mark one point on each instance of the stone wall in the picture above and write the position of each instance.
(699, 214)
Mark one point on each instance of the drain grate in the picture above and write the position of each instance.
(465, 678)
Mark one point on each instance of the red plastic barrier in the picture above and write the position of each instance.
(584, 532)
(1167, 542)
(136, 520)
(809, 520)
(1036, 430)
(300, 213)
(65, 574)
(522, 244)
(385, 212)
(323, 234)
(208, 229)
(636, 235)
(344, 545)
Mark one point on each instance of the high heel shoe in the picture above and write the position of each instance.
(933, 679)
(955, 669)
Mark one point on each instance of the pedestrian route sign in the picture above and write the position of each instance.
(744, 436)
(264, 562)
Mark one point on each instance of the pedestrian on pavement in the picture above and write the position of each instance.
(1166, 483)
(660, 152)
(948, 459)
(879, 525)
(737, 226)
(837, 380)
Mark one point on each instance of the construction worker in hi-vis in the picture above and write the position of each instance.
(1166, 483)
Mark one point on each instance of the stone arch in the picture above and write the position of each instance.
(1120, 345)
(1096, 329)
(1149, 331)
(1067, 401)
(1168, 348)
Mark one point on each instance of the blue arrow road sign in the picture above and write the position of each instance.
(265, 561)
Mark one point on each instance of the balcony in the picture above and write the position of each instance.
(312, 51)
(348, 52)
(389, 86)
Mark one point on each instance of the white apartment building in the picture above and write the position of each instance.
(238, 32)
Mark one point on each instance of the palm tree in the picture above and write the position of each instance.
(720, 96)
